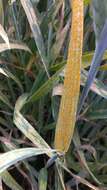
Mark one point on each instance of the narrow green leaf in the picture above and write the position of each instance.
(9, 74)
(86, 2)
(5, 100)
(96, 114)
(45, 88)
(33, 21)
(87, 58)
(43, 179)
(3, 122)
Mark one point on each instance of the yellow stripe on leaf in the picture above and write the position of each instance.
(68, 108)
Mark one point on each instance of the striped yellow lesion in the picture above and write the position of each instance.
(68, 108)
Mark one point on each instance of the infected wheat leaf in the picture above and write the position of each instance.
(68, 107)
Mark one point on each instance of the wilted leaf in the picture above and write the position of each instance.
(58, 90)
(4, 47)
(26, 128)
(89, 148)
(56, 48)
(80, 179)
(77, 144)
(10, 181)
(17, 155)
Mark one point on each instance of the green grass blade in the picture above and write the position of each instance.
(13, 77)
(33, 21)
(96, 114)
(45, 88)
(5, 100)
(43, 179)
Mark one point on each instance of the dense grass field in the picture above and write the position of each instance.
(53, 95)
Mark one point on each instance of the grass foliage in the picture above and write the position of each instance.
(36, 45)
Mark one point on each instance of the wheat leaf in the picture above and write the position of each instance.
(68, 107)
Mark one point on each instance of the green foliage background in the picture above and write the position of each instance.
(31, 83)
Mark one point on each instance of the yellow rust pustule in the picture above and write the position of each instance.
(68, 107)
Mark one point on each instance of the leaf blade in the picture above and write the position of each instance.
(17, 155)
(67, 114)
